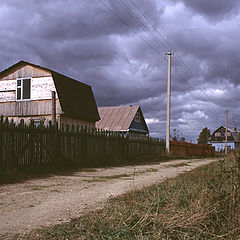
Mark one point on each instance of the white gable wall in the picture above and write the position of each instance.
(41, 84)
(42, 88)
(7, 90)
(39, 104)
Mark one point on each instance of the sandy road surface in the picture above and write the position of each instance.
(41, 202)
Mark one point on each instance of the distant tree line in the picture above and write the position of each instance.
(177, 136)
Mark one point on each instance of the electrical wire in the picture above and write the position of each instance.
(141, 25)
(180, 61)
(161, 46)
(126, 24)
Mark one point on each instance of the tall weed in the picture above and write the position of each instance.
(201, 204)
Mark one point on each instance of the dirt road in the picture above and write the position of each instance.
(55, 199)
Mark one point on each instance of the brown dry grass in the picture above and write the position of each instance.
(201, 204)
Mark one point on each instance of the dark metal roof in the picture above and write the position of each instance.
(76, 98)
(118, 118)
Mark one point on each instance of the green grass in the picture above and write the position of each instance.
(178, 165)
(106, 178)
(146, 171)
(201, 204)
(123, 176)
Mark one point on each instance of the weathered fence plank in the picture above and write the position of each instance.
(29, 146)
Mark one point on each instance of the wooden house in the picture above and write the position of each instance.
(218, 138)
(123, 119)
(26, 93)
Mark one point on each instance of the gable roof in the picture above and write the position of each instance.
(76, 98)
(118, 118)
(233, 131)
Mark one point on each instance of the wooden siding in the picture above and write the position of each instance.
(42, 88)
(28, 108)
(138, 127)
(7, 90)
(26, 71)
(221, 138)
(41, 84)
(75, 122)
(39, 105)
(27, 119)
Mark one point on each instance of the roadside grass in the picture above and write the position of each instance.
(123, 176)
(106, 178)
(178, 165)
(147, 171)
(41, 187)
(201, 204)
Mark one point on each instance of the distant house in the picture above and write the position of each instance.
(26, 93)
(122, 119)
(218, 138)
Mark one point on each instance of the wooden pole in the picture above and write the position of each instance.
(168, 103)
(54, 108)
(226, 137)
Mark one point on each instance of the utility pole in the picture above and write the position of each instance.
(168, 102)
(226, 137)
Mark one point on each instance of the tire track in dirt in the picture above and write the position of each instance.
(56, 199)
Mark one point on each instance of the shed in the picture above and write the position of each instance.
(122, 119)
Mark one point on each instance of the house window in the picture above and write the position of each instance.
(37, 122)
(23, 89)
(217, 134)
(137, 117)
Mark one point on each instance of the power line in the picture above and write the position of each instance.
(142, 26)
(181, 62)
(203, 93)
(207, 96)
(126, 24)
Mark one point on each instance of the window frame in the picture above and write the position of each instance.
(137, 117)
(218, 134)
(21, 87)
(37, 122)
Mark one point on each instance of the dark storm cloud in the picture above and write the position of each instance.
(214, 8)
(85, 41)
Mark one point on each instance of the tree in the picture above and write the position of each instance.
(182, 139)
(177, 136)
(204, 136)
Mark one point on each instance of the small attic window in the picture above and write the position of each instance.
(23, 89)
(137, 117)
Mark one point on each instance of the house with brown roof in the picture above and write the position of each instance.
(123, 119)
(26, 93)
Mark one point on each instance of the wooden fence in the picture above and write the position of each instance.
(24, 146)
(29, 146)
(190, 149)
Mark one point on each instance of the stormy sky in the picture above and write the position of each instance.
(119, 48)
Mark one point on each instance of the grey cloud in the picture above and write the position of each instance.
(83, 40)
(214, 9)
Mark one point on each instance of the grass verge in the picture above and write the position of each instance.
(201, 204)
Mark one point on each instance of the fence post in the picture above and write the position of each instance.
(127, 147)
